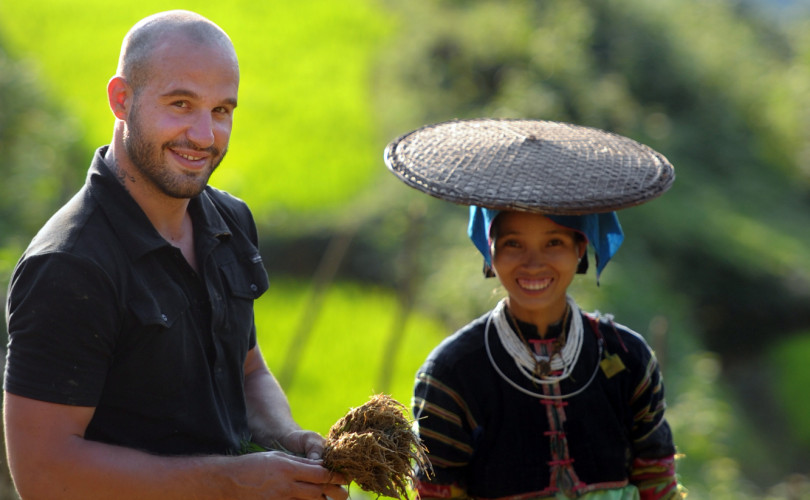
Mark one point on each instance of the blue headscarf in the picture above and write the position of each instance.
(602, 230)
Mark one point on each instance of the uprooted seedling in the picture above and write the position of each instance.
(374, 445)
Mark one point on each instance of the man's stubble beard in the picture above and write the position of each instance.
(148, 161)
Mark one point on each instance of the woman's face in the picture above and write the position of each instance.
(535, 260)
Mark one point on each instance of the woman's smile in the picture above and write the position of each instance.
(535, 260)
(534, 284)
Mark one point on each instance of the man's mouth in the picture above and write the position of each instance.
(188, 152)
(189, 157)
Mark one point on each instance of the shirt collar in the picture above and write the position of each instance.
(131, 224)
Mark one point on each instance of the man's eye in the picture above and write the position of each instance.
(180, 104)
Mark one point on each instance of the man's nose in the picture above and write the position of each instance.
(201, 131)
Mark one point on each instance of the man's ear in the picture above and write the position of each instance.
(119, 97)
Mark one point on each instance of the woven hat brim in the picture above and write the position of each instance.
(529, 165)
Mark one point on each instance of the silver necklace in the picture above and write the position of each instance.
(526, 360)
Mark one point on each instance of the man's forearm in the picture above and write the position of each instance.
(269, 414)
(50, 458)
(87, 470)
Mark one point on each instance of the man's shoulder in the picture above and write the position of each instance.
(226, 200)
(75, 223)
(229, 206)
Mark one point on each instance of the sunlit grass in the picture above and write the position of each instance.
(344, 354)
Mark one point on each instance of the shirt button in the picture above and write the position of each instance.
(253, 287)
(164, 317)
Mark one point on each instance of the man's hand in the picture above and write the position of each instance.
(276, 474)
(304, 443)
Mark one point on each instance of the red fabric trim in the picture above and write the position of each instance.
(655, 478)
(554, 402)
(670, 492)
(542, 341)
(619, 337)
(594, 325)
(429, 490)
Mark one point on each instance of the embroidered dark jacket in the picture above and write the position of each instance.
(492, 440)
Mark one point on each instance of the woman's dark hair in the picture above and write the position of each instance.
(582, 267)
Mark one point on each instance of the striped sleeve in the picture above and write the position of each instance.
(656, 480)
(653, 468)
(446, 427)
(648, 402)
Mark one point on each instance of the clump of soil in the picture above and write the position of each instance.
(374, 445)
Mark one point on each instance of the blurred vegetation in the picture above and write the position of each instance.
(368, 275)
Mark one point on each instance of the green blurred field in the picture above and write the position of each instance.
(344, 353)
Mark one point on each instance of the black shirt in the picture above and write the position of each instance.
(103, 312)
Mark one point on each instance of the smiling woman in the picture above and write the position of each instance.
(537, 398)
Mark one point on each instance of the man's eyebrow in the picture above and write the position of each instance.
(180, 93)
(230, 101)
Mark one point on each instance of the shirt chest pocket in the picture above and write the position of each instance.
(160, 309)
(245, 281)
(151, 359)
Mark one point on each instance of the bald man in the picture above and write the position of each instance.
(133, 370)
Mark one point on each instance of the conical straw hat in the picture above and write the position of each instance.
(529, 165)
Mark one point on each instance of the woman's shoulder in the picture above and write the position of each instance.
(465, 345)
(619, 338)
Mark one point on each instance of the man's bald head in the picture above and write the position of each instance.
(149, 33)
